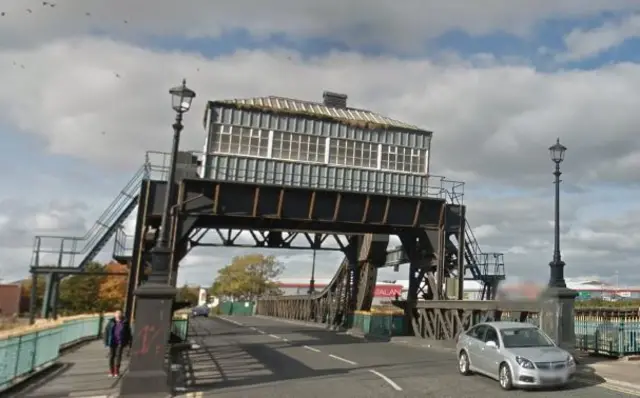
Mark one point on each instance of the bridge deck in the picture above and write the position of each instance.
(260, 357)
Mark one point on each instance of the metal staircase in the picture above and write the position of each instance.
(487, 268)
(122, 246)
(67, 249)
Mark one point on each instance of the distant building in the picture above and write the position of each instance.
(383, 291)
(595, 289)
(588, 289)
(10, 299)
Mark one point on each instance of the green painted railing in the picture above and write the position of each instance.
(23, 354)
(180, 327)
(614, 332)
(244, 308)
(383, 325)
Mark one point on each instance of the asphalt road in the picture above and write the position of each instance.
(256, 357)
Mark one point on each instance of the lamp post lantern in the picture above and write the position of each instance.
(147, 375)
(557, 265)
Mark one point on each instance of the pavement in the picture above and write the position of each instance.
(261, 357)
(81, 372)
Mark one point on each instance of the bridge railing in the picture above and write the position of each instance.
(26, 351)
(606, 331)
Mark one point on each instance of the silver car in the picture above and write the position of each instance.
(516, 354)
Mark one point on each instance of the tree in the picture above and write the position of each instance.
(26, 293)
(188, 294)
(113, 288)
(81, 293)
(248, 277)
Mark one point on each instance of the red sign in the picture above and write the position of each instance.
(389, 291)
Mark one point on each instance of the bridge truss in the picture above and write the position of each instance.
(437, 242)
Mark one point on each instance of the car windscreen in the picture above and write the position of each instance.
(524, 337)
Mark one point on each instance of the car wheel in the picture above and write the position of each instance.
(506, 380)
(463, 364)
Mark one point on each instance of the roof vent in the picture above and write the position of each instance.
(334, 100)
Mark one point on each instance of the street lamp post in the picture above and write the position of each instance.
(557, 301)
(312, 281)
(154, 299)
(557, 265)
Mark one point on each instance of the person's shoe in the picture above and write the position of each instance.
(111, 374)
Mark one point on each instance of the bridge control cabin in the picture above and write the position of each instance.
(324, 145)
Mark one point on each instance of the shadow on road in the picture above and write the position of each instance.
(232, 365)
(226, 357)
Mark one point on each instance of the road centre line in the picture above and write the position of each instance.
(230, 320)
(275, 337)
(311, 348)
(342, 359)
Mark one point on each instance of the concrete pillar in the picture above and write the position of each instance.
(557, 317)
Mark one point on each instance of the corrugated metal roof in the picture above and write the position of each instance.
(295, 106)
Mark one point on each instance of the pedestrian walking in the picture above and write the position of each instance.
(117, 336)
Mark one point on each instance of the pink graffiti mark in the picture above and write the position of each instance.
(148, 335)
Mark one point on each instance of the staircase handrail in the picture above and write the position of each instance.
(470, 238)
(103, 223)
(129, 190)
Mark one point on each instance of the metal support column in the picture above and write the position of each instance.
(33, 301)
(147, 374)
(46, 299)
(461, 253)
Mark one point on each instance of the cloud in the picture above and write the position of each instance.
(583, 44)
(507, 113)
(356, 23)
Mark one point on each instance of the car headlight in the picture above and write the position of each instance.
(525, 363)
(570, 360)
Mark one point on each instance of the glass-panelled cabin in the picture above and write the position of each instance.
(327, 145)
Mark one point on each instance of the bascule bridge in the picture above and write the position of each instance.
(285, 168)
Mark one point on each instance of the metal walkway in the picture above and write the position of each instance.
(80, 373)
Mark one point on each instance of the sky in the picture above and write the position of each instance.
(85, 95)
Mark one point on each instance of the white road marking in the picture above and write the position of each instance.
(93, 396)
(311, 348)
(260, 331)
(252, 328)
(388, 380)
(283, 339)
(342, 359)
(275, 337)
(230, 320)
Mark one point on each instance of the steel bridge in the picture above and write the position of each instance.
(278, 201)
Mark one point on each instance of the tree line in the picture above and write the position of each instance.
(90, 293)
(245, 278)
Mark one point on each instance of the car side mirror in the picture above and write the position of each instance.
(491, 344)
